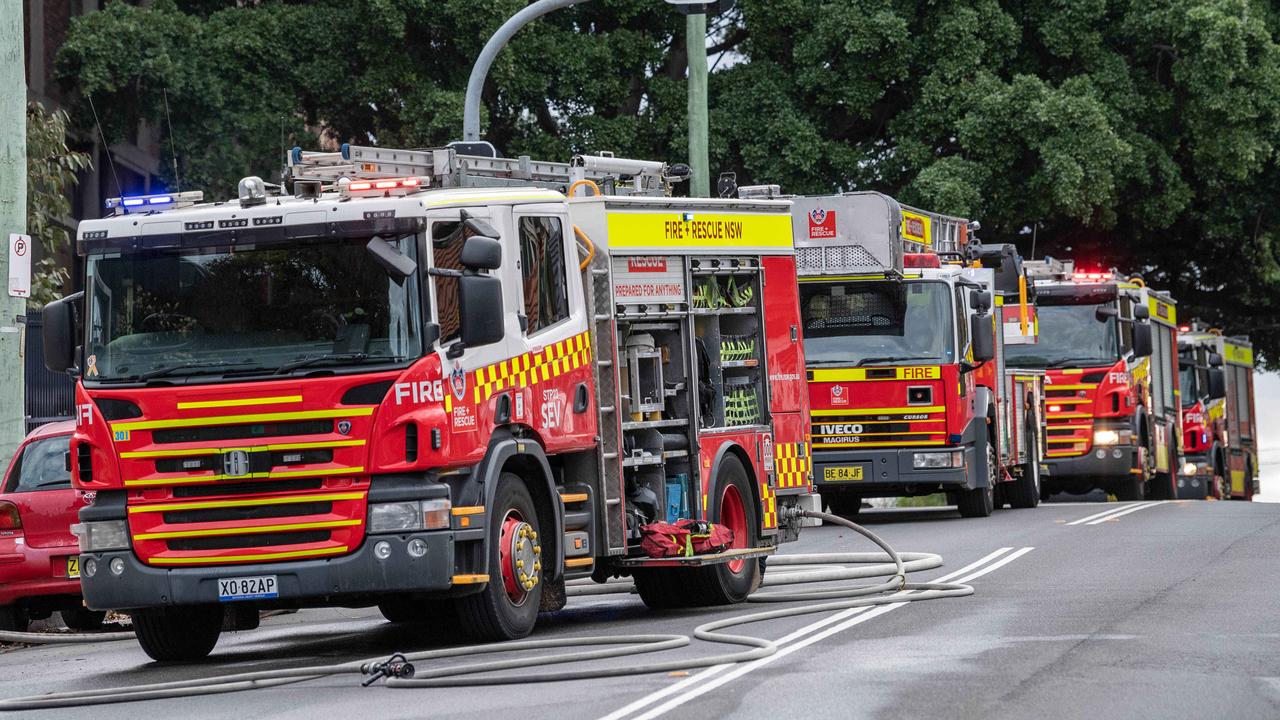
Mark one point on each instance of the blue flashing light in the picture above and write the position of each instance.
(159, 201)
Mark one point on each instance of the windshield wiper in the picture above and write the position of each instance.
(195, 365)
(878, 360)
(352, 357)
(1078, 361)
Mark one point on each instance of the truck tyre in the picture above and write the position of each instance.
(82, 618)
(1025, 492)
(1250, 482)
(844, 504)
(979, 502)
(419, 611)
(507, 608)
(1130, 488)
(722, 583)
(184, 633)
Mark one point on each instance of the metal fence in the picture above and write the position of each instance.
(50, 395)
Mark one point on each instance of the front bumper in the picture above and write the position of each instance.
(300, 582)
(1199, 485)
(29, 572)
(889, 473)
(1114, 465)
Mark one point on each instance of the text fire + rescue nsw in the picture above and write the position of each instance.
(703, 230)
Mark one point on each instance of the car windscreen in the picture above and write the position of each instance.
(41, 466)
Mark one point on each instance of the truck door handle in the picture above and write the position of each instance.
(580, 399)
(795, 334)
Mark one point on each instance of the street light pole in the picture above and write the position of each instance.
(13, 219)
(696, 50)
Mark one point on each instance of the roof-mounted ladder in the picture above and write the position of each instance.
(446, 168)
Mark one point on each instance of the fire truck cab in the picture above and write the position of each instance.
(1218, 416)
(907, 385)
(438, 383)
(1109, 349)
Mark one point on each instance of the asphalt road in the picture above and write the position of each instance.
(1088, 610)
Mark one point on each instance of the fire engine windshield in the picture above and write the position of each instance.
(249, 310)
(1189, 381)
(1070, 336)
(878, 323)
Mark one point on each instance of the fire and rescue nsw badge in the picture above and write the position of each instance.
(822, 224)
(838, 395)
(458, 381)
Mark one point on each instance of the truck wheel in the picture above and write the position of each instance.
(844, 504)
(1250, 482)
(13, 619)
(178, 633)
(82, 618)
(1025, 493)
(507, 608)
(1130, 488)
(979, 502)
(722, 583)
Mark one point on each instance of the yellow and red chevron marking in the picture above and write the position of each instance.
(532, 368)
(769, 507)
(792, 464)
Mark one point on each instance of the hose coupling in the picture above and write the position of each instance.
(397, 666)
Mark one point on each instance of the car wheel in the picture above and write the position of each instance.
(13, 619)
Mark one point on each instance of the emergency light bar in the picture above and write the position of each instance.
(1084, 277)
(160, 201)
(377, 188)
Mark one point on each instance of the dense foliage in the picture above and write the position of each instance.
(1135, 133)
(51, 173)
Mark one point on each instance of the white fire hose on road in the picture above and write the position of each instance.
(822, 568)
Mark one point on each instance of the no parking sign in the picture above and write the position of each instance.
(19, 265)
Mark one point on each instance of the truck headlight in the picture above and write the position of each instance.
(1106, 437)
(102, 535)
(409, 516)
(1189, 469)
(936, 460)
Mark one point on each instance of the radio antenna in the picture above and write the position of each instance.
(173, 151)
(106, 148)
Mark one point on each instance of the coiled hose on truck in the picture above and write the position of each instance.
(828, 567)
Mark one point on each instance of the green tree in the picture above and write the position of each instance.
(1136, 133)
(51, 173)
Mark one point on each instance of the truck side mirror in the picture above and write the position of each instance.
(979, 300)
(1217, 384)
(58, 335)
(481, 252)
(480, 310)
(1215, 360)
(984, 339)
(1142, 341)
(1104, 313)
(478, 227)
(1141, 312)
(397, 265)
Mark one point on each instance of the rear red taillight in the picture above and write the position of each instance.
(9, 517)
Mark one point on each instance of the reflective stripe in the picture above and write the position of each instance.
(882, 411)
(204, 504)
(239, 402)
(216, 478)
(254, 448)
(470, 579)
(240, 558)
(251, 530)
(238, 419)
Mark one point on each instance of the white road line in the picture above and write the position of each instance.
(716, 679)
(1104, 513)
(1135, 508)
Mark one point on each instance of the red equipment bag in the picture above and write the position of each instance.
(684, 538)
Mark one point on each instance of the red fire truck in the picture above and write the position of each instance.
(907, 382)
(1218, 417)
(1109, 346)
(433, 382)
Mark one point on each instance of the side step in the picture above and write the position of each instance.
(695, 560)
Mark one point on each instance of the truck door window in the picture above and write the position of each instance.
(1168, 356)
(446, 253)
(1126, 328)
(542, 264)
(1240, 386)
(1159, 373)
(962, 323)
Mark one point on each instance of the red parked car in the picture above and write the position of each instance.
(39, 561)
